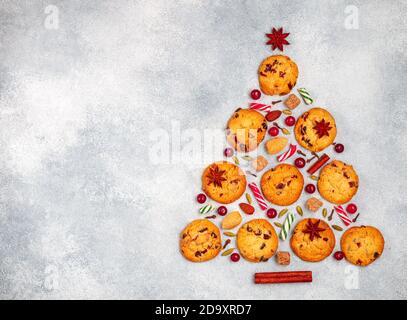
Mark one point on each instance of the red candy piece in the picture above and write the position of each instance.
(222, 210)
(351, 208)
(201, 198)
(273, 131)
(271, 213)
(255, 94)
(310, 188)
(235, 257)
(339, 255)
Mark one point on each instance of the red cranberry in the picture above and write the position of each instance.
(290, 121)
(339, 147)
(235, 257)
(255, 94)
(338, 255)
(271, 213)
(273, 131)
(299, 162)
(310, 188)
(351, 208)
(228, 152)
(201, 198)
(222, 210)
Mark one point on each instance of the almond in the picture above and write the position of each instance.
(275, 145)
(231, 220)
(273, 115)
(246, 208)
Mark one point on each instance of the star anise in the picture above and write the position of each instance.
(313, 229)
(277, 39)
(215, 176)
(322, 128)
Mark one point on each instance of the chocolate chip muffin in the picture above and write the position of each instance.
(200, 241)
(277, 75)
(257, 240)
(315, 129)
(312, 240)
(223, 182)
(282, 185)
(338, 182)
(362, 245)
(246, 129)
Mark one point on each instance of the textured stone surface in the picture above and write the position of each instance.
(85, 213)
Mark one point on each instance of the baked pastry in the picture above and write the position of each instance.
(282, 185)
(338, 182)
(200, 241)
(362, 245)
(312, 240)
(257, 240)
(223, 182)
(315, 129)
(277, 75)
(246, 129)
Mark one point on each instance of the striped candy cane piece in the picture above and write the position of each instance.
(257, 194)
(342, 214)
(259, 107)
(305, 95)
(284, 156)
(286, 226)
(206, 208)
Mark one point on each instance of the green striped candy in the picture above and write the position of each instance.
(305, 95)
(286, 226)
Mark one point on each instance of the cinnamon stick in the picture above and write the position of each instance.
(318, 164)
(283, 277)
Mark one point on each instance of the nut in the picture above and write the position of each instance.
(231, 220)
(246, 208)
(275, 145)
(259, 163)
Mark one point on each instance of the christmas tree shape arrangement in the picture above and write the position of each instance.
(294, 135)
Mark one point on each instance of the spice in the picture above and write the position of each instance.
(229, 234)
(282, 213)
(226, 243)
(313, 229)
(337, 228)
(211, 217)
(249, 198)
(247, 158)
(356, 218)
(318, 164)
(299, 210)
(312, 177)
(331, 215)
(216, 176)
(324, 212)
(301, 153)
(278, 225)
(277, 39)
(236, 160)
(251, 173)
(227, 252)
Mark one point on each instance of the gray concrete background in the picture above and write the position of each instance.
(84, 213)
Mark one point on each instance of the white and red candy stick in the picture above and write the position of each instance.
(259, 107)
(288, 154)
(342, 214)
(259, 197)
